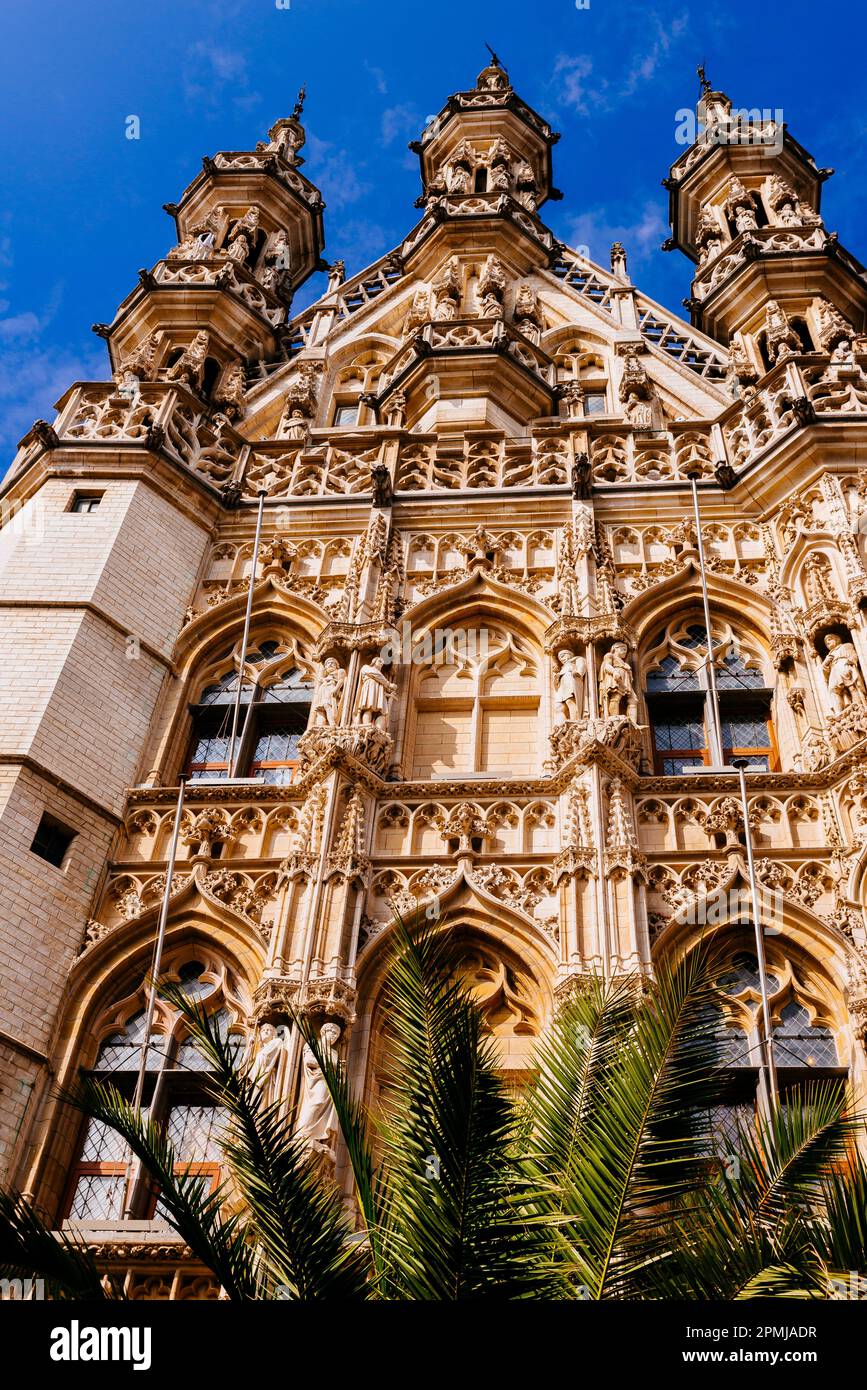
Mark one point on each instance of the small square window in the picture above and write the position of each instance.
(346, 414)
(85, 501)
(51, 841)
(594, 403)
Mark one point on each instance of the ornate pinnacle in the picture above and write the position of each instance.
(494, 59)
(703, 79)
(298, 108)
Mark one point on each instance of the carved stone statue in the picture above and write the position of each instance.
(616, 691)
(395, 410)
(374, 693)
(325, 710)
(459, 179)
(239, 250)
(420, 310)
(190, 366)
(843, 674)
(782, 339)
(569, 694)
(618, 260)
(230, 396)
(317, 1118)
(269, 1064)
(638, 412)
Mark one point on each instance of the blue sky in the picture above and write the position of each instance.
(82, 206)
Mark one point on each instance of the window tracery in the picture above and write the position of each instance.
(174, 1096)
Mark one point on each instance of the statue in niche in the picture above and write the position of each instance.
(317, 1118)
(459, 179)
(277, 261)
(296, 425)
(268, 1069)
(638, 412)
(818, 584)
(375, 691)
(843, 674)
(420, 309)
(239, 250)
(570, 682)
(231, 394)
(190, 366)
(843, 359)
(617, 697)
(325, 710)
(246, 226)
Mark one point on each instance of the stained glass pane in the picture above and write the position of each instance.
(189, 978)
(223, 691)
(194, 1131)
(98, 1197)
(189, 1057)
(724, 1121)
(745, 733)
(734, 674)
(669, 675)
(736, 1048)
(277, 746)
(210, 748)
(102, 1145)
(744, 974)
(683, 733)
(798, 1042)
(122, 1051)
(673, 767)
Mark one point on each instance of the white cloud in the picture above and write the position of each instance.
(571, 84)
(214, 75)
(358, 243)
(641, 237)
(644, 65)
(334, 172)
(400, 121)
(34, 373)
(378, 78)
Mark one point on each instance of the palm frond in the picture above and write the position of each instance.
(30, 1249)
(295, 1218)
(456, 1230)
(218, 1239)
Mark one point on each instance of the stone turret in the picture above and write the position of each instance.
(249, 232)
(745, 207)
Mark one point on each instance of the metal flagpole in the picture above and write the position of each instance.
(232, 761)
(158, 952)
(739, 766)
(715, 726)
(152, 997)
(768, 1041)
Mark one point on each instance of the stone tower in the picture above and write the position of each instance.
(476, 675)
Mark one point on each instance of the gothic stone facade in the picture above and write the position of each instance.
(475, 680)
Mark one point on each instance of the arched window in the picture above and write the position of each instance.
(274, 713)
(676, 694)
(477, 706)
(804, 1046)
(174, 1095)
